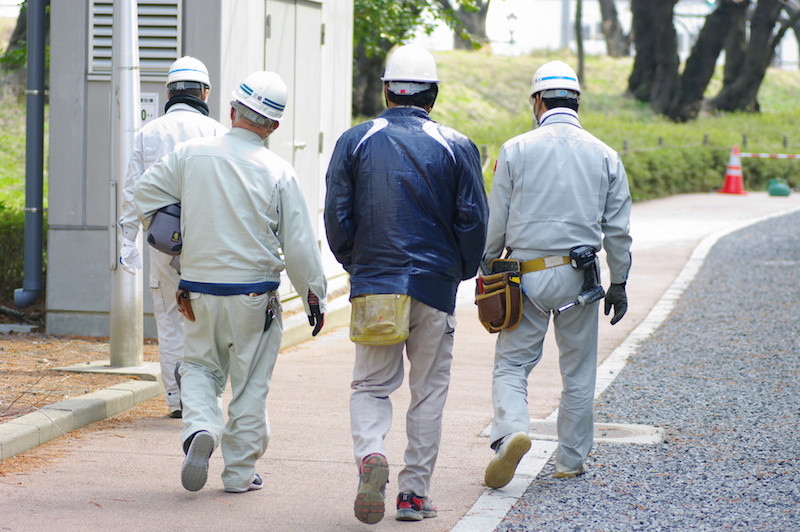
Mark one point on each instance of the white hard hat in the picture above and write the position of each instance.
(555, 75)
(264, 93)
(188, 69)
(410, 69)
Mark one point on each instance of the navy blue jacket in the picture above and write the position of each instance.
(406, 209)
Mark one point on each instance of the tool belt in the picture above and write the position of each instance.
(499, 296)
(184, 304)
(537, 265)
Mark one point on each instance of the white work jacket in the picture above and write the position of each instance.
(557, 187)
(156, 139)
(241, 206)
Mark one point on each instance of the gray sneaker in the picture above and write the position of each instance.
(501, 469)
(569, 472)
(256, 484)
(372, 479)
(194, 471)
(411, 507)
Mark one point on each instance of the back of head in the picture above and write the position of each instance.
(187, 73)
(557, 84)
(410, 71)
(261, 98)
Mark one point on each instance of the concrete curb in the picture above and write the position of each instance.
(51, 421)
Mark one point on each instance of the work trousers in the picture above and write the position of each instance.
(169, 323)
(379, 371)
(228, 339)
(519, 350)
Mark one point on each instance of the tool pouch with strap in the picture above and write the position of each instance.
(184, 304)
(499, 299)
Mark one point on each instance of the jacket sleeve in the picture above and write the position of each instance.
(499, 204)
(158, 187)
(339, 221)
(299, 244)
(472, 210)
(129, 221)
(616, 222)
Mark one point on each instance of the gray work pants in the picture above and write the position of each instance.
(378, 371)
(169, 323)
(228, 338)
(519, 350)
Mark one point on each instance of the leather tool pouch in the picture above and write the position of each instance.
(499, 297)
(184, 304)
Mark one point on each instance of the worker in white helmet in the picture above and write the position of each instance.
(186, 117)
(558, 195)
(243, 221)
(405, 215)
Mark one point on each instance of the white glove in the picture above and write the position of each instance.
(129, 256)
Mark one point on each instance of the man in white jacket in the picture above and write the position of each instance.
(186, 117)
(241, 207)
(556, 189)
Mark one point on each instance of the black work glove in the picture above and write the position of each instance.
(617, 298)
(317, 318)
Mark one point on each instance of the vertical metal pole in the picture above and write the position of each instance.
(565, 25)
(34, 148)
(126, 288)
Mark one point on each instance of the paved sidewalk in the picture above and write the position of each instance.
(128, 477)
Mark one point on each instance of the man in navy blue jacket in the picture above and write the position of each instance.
(405, 213)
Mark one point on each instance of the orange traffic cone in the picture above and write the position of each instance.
(734, 182)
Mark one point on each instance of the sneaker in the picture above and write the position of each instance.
(412, 507)
(569, 472)
(176, 414)
(194, 471)
(256, 484)
(501, 469)
(372, 481)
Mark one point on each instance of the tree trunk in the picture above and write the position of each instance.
(474, 22)
(644, 66)
(666, 83)
(741, 93)
(367, 85)
(654, 77)
(701, 62)
(617, 43)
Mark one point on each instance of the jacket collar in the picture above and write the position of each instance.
(404, 111)
(246, 134)
(560, 115)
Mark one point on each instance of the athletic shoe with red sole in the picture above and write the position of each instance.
(372, 481)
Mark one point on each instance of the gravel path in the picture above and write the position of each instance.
(722, 377)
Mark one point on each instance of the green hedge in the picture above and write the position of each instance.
(667, 171)
(12, 251)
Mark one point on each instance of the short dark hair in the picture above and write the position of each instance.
(552, 103)
(197, 93)
(425, 98)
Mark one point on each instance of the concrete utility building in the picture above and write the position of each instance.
(307, 42)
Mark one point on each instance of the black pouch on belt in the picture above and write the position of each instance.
(184, 304)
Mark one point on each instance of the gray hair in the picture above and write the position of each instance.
(251, 116)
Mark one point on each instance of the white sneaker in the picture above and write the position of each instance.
(194, 471)
(256, 484)
(501, 469)
(569, 472)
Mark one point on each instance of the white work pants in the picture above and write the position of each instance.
(228, 338)
(169, 323)
(519, 350)
(378, 372)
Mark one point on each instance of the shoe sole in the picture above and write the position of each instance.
(407, 514)
(501, 470)
(252, 487)
(569, 474)
(194, 471)
(369, 505)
